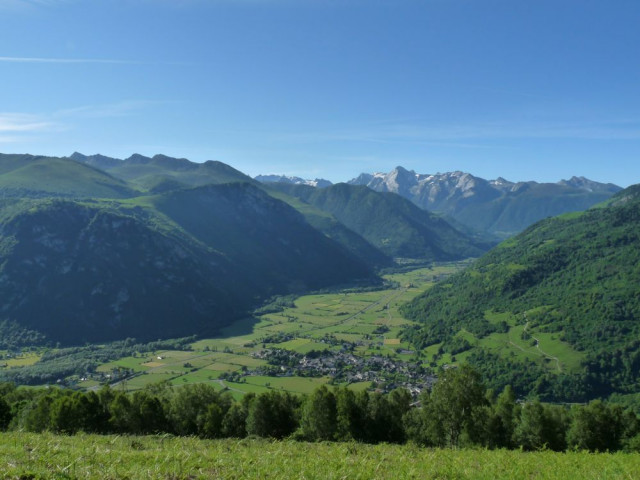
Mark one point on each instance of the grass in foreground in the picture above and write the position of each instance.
(25, 455)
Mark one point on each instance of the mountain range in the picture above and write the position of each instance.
(318, 182)
(496, 207)
(94, 248)
(389, 222)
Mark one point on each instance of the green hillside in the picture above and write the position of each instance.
(553, 311)
(28, 175)
(388, 222)
(160, 172)
(516, 210)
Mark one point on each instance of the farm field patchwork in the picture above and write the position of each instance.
(349, 326)
(369, 320)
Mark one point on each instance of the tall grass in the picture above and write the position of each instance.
(25, 455)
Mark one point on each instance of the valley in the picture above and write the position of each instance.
(349, 338)
(156, 279)
(319, 240)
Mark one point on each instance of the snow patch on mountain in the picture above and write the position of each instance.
(318, 182)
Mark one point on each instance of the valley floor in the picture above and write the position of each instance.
(352, 338)
(26, 455)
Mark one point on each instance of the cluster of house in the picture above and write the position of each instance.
(384, 372)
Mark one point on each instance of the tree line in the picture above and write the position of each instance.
(457, 412)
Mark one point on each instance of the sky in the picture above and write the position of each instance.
(527, 90)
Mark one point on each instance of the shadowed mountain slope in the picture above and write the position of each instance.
(186, 262)
(388, 222)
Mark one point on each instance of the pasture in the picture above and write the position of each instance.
(369, 321)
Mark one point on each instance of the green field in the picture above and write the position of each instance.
(24, 455)
(25, 359)
(369, 320)
(316, 323)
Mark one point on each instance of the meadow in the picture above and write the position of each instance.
(325, 321)
(302, 328)
(25, 455)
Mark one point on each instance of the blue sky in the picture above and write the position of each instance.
(522, 89)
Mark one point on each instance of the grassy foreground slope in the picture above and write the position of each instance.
(106, 457)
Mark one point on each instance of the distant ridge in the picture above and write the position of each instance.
(498, 207)
(24, 175)
(389, 222)
(160, 172)
(318, 182)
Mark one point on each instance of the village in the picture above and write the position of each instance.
(384, 372)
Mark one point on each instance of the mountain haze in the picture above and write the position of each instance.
(497, 207)
(318, 182)
(388, 222)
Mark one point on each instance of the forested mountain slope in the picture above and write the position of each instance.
(182, 263)
(389, 222)
(161, 174)
(575, 276)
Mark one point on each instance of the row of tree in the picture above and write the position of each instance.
(458, 411)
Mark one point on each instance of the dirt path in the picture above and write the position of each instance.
(541, 352)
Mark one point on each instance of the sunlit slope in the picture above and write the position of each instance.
(570, 283)
(162, 173)
(37, 176)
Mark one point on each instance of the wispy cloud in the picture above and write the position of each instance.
(20, 122)
(67, 60)
(86, 61)
(18, 127)
(118, 109)
(462, 135)
(28, 5)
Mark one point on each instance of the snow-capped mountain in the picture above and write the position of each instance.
(495, 206)
(318, 182)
